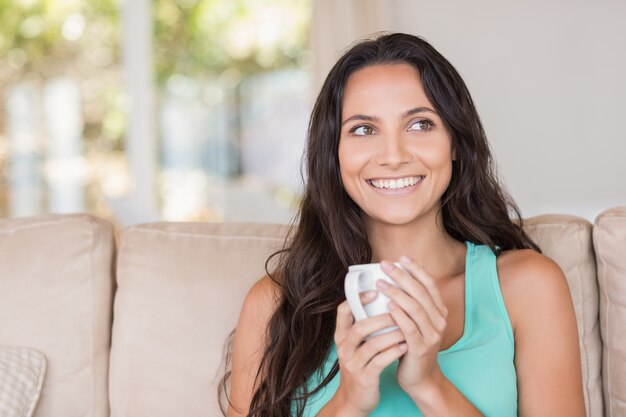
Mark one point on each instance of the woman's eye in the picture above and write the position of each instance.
(363, 130)
(422, 125)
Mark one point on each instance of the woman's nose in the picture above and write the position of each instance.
(392, 152)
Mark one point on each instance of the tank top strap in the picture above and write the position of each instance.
(485, 287)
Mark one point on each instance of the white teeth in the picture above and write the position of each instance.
(396, 184)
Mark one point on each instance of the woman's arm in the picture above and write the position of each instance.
(547, 356)
(249, 343)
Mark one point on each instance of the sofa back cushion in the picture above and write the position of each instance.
(180, 290)
(55, 296)
(609, 236)
(567, 240)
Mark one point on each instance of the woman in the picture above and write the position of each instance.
(399, 169)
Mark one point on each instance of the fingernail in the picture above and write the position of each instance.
(369, 295)
(392, 306)
(387, 266)
(383, 285)
(405, 259)
(403, 347)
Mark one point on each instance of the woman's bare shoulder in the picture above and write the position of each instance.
(530, 281)
(260, 302)
(523, 261)
(527, 268)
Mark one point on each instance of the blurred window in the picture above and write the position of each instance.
(234, 104)
(62, 106)
(233, 95)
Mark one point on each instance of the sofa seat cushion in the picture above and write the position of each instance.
(180, 290)
(609, 235)
(56, 296)
(22, 372)
(567, 240)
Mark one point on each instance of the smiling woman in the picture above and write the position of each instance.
(399, 170)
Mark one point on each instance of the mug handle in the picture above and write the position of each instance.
(351, 288)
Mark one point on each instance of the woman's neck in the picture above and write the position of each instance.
(425, 241)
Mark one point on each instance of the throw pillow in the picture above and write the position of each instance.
(21, 377)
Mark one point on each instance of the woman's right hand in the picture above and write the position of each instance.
(362, 361)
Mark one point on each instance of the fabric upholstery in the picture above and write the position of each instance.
(56, 296)
(180, 289)
(22, 372)
(609, 235)
(567, 240)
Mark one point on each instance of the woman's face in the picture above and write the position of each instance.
(395, 155)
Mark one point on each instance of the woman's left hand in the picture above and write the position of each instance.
(418, 309)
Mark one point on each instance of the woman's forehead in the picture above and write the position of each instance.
(384, 89)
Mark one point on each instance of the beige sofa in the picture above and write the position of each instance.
(136, 328)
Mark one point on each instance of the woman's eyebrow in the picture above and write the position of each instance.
(361, 117)
(376, 119)
(418, 110)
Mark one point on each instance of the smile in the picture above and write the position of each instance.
(395, 183)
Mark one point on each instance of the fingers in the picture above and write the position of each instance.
(343, 323)
(355, 356)
(376, 366)
(376, 354)
(368, 296)
(362, 328)
(419, 332)
(366, 327)
(377, 344)
(416, 282)
(414, 321)
(425, 279)
(421, 317)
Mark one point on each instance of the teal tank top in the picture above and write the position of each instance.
(480, 364)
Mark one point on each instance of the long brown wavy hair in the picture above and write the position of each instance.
(328, 234)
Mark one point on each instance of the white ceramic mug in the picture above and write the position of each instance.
(362, 278)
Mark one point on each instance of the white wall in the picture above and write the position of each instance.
(549, 81)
